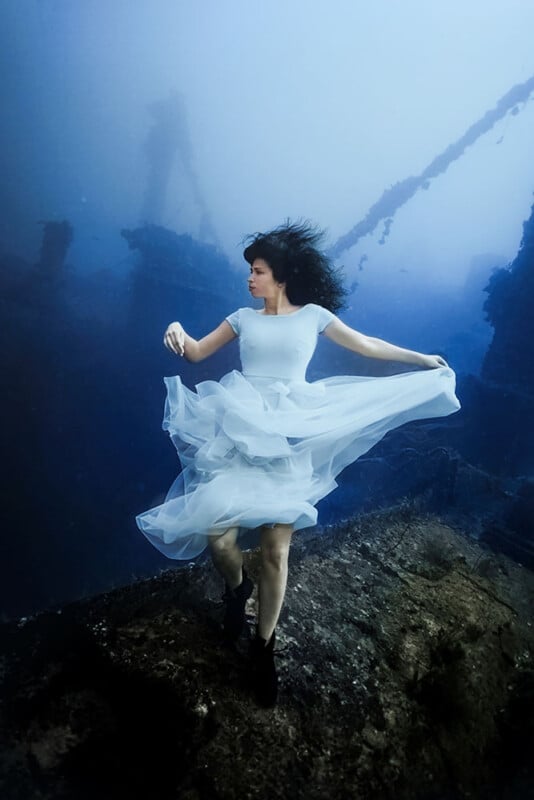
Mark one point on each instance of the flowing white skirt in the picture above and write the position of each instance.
(259, 451)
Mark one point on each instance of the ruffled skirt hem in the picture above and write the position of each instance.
(258, 451)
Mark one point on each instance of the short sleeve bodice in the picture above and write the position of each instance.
(278, 345)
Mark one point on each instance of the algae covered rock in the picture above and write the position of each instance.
(405, 658)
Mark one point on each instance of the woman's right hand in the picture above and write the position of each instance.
(174, 339)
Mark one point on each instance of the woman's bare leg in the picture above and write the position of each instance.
(227, 556)
(274, 546)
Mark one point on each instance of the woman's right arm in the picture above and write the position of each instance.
(179, 342)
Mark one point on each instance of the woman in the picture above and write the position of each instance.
(263, 446)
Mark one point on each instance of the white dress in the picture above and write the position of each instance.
(263, 445)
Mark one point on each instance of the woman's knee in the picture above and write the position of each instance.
(275, 551)
(223, 544)
(275, 556)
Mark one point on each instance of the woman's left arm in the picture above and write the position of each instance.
(368, 346)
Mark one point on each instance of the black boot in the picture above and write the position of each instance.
(234, 615)
(264, 677)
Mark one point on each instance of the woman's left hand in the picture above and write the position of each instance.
(433, 362)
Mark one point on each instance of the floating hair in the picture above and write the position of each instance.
(292, 252)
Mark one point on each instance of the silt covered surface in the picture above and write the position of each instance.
(405, 657)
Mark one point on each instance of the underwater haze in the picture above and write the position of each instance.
(141, 141)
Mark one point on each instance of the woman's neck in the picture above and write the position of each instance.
(278, 305)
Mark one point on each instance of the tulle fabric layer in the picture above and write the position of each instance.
(257, 451)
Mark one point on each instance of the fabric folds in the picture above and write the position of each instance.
(257, 450)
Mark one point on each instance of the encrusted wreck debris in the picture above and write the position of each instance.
(406, 662)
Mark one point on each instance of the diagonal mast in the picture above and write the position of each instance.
(399, 194)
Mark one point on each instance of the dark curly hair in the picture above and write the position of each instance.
(291, 252)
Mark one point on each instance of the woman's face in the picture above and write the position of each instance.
(261, 282)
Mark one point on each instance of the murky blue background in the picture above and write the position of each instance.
(161, 133)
